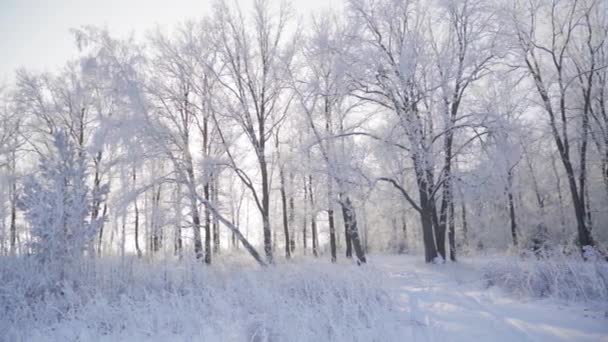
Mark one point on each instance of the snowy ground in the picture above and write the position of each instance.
(393, 298)
(449, 303)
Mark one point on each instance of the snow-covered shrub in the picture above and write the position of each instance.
(552, 274)
(133, 300)
(57, 202)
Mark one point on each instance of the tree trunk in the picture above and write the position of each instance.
(216, 226)
(465, 227)
(304, 223)
(451, 232)
(560, 197)
(178, 244)
(426, 220)
(292, 216)
(97, 198)
(439, 228)
(285, 214)
(347, 228)
(156, 241)
(136, 217)
(196, 225)
(13, 196)
(313, 219)
(352, 232)
(207, 196)
(102, 226)
(330, 219)
(13, 224)
(512, 217)
(266, 209)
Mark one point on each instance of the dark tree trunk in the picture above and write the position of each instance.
(207, 196)
(215, 223)
(352, 232)
(313, 219)
(102, 226)
(136, 223)
(292, 216)
(347, 234)
(465, 227)
(347, 226)
(451, 232)
(177, 242)
(285, 214)
(404, 245)
(266, 209)
(196, 225)
(439, 230)
(426, 220)
(332, 234)
(512, 217)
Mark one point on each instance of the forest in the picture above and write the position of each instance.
(255, 173)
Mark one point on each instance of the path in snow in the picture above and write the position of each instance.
(448, 303)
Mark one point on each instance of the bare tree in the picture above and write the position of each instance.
(252, 71)
(552, 57)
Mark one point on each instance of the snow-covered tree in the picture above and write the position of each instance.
(57, 203)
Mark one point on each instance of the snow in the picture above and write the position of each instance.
(450, 302)
(393, 298)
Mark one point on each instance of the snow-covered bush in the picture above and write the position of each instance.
(552, 274)
(57, 202)
(133, 300)
(56, 205)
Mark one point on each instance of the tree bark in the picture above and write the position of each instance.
(136, 223)
(347, 229)
(426, 220)
(215, 225)
(352, 232)
(451, 231)
(178, 243)
(330, 219)
(313, 219)
(13, 196)
(285, 214)
(304, 223)
(512, 218)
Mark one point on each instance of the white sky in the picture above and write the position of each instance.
(35, 33)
